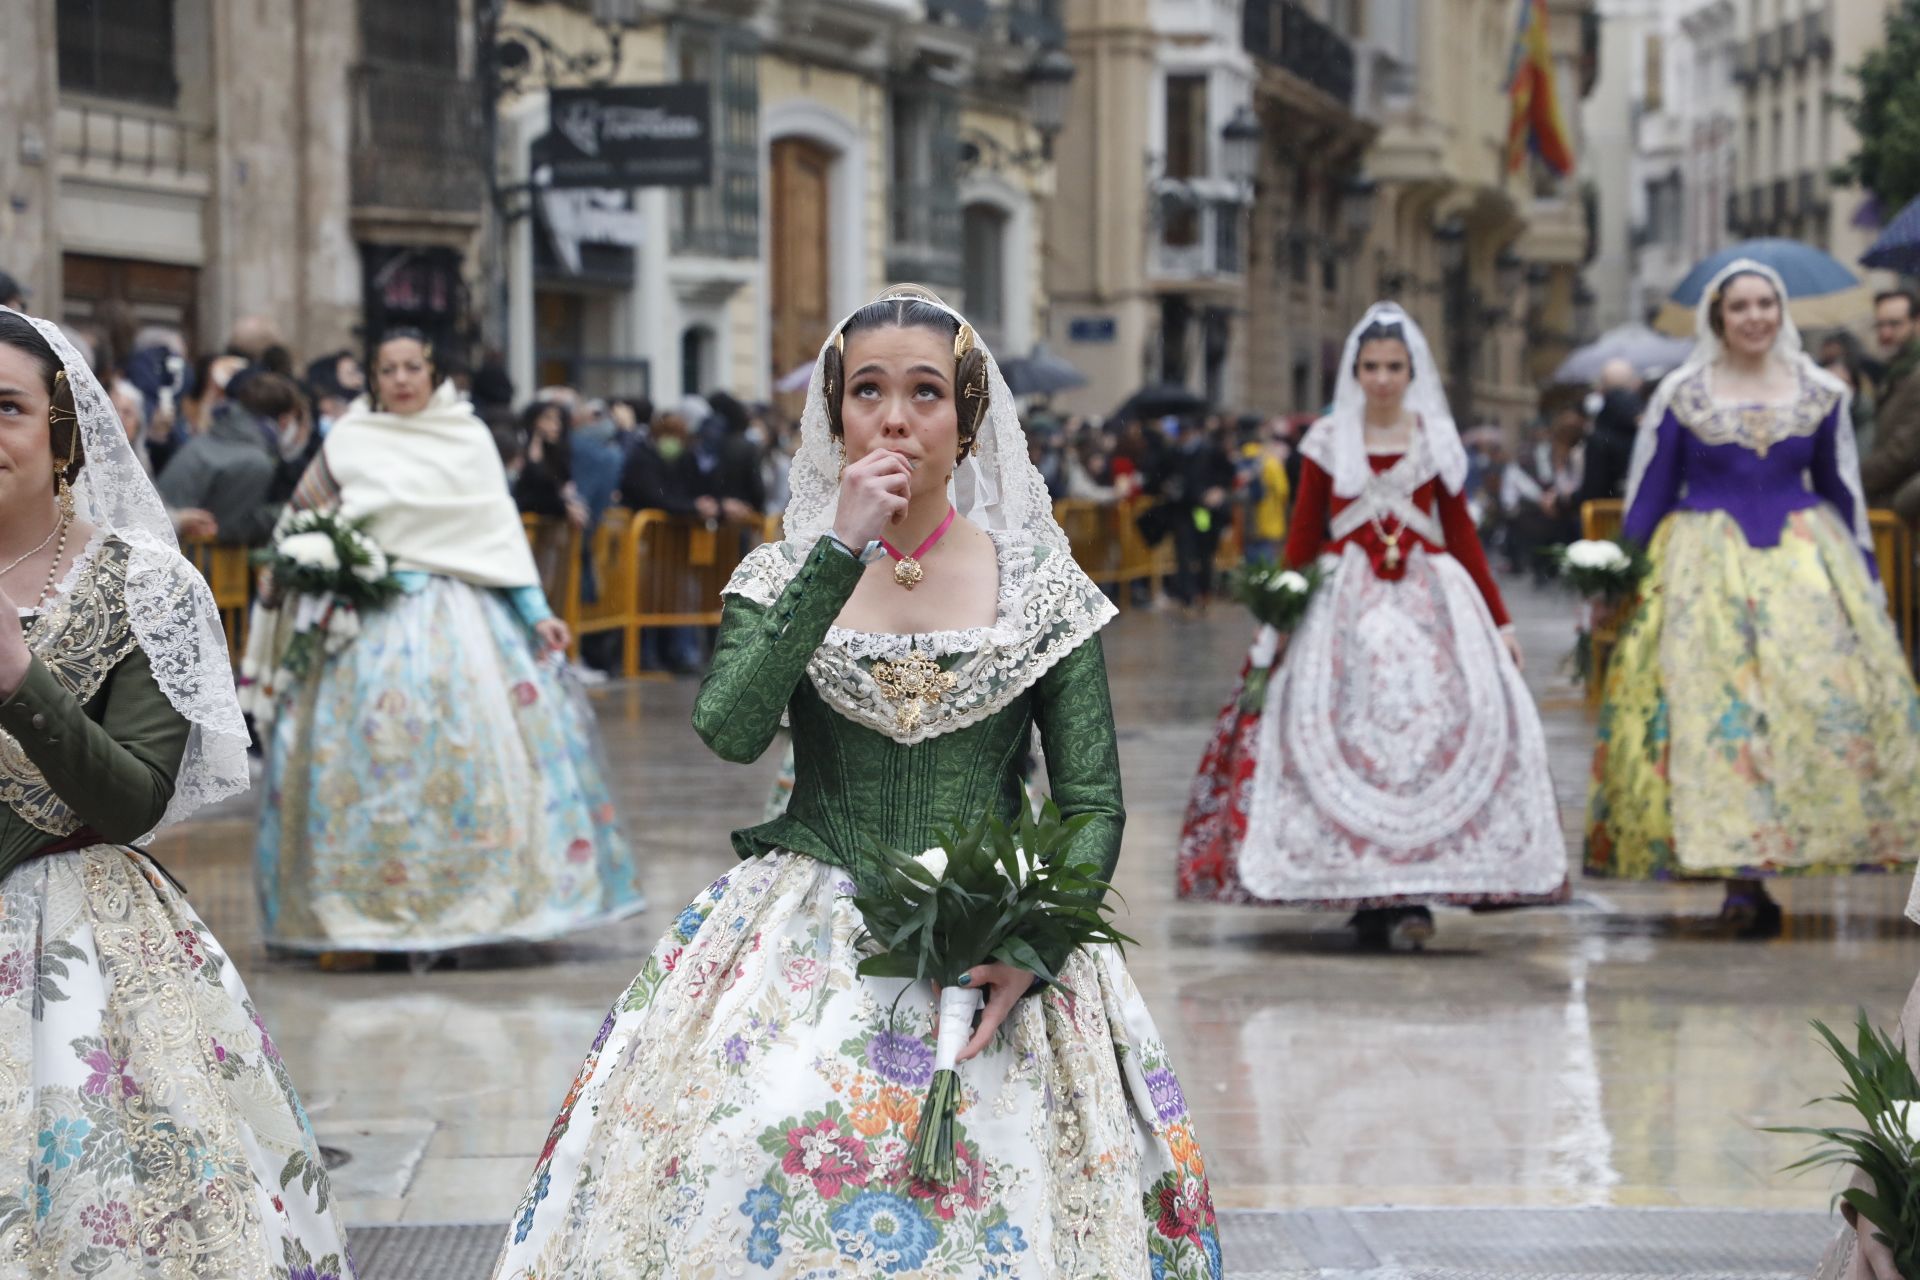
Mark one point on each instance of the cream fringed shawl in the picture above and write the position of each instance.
(433, 491)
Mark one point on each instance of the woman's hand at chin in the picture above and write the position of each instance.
(874, 492)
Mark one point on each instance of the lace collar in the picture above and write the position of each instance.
(1047, 607)
(1751, 425)
(81, 564)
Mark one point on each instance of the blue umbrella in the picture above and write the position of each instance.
(1898, 248)
(1821, 292)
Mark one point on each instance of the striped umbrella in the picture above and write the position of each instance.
(1821, 292)
(1898, 248)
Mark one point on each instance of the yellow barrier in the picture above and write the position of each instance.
(1892, 548)
(677, 566)
(229, 572)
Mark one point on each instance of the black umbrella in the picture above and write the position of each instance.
(1159, 401)
(1040, 374)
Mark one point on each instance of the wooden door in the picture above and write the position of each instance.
(802, 270)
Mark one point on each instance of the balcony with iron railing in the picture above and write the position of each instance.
(1283, 34)
(131, 142)
(415, 135)
(1199, 239)
(1041, 23)
(924, 226)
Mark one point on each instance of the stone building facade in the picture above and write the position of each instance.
(189, 162)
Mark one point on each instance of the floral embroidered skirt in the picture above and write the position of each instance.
(747, 1106)
(1760, 718)
(148, 1121)
(1397, 757)
(437, 785)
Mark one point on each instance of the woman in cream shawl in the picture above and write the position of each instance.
(436, 783)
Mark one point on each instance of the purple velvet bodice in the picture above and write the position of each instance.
(1758, 490)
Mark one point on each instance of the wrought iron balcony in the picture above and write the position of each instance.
(1283, 34)
(414, 136)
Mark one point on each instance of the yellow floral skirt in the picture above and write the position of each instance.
(1760, 718)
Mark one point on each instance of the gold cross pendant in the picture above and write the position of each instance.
(913, 683)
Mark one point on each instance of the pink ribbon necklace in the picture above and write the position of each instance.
(908, 572)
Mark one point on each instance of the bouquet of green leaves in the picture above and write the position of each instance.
(992, 892)
(1882, 1090)
(323, 571)
(1277, 597)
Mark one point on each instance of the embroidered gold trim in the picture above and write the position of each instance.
(1758, 427)
(81, 637)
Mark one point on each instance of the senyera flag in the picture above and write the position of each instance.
(1534, 121)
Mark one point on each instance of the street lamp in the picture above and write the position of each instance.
(1048, 80)
(1241, 147)
(1357, 200)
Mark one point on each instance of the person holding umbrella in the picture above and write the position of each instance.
(1759, 719)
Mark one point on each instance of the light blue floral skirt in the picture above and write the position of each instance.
(438, 785)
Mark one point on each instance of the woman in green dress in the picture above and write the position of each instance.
(747, 1106)
(147, 1123)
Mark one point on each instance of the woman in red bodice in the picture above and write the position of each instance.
(1396, 759)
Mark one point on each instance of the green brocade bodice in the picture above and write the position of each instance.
(869, 767)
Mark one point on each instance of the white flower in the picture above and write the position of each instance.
(1597, 555)
(1904, 1119)
(375, 567)
(314, 550)
(1292, 581)
(935, 862)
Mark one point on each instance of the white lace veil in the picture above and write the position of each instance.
(169, 604)
(1338, 442)
(1790, 351)
(997, 488)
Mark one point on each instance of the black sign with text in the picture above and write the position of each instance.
(631, 136)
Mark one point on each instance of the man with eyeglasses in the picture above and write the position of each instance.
(1891, 473)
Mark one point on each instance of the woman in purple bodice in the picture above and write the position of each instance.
(1760, 719)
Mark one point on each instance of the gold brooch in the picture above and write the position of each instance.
(914, 682)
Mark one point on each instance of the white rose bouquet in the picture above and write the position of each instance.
(1602, 569)
(993, 892)
(323, 570)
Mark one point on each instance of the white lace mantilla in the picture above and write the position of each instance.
(1047, 607)
(1390, 493)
